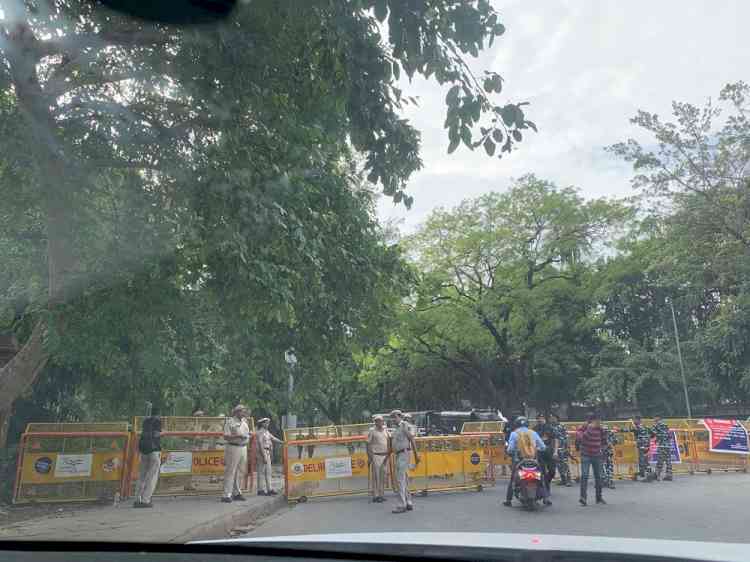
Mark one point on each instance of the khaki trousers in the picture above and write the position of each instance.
(235, 469)
(402, 478)
(148, 476)
(263, 466)
(377, 471)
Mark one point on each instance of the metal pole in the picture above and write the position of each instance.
(679, 357)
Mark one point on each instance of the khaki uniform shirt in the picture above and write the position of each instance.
(264, 443)
(378, 441)
(237, 430)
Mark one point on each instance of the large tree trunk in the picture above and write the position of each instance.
(19, 374)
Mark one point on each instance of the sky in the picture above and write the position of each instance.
(586, 67)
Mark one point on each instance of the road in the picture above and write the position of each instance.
(699, 507)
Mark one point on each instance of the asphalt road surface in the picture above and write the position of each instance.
(699, 507)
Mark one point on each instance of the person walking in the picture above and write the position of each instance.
(563, 456)
(236, 437)
(377, 454)
(660, 430)
(642, 437)
(149, 447)
(608, 481)
(402, 443)
(264, 441)
(592, 441)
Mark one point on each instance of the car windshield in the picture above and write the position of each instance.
(346, 266)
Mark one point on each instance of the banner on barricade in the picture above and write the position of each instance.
(727, 436)
(674, 449)
(55, 468)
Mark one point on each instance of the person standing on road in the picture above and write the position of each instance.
(377, 454)
(561, 434)
(642, 437)
(548, 456)
(149, 447)
(264, 441)
(236, 437)
(660, 430)
(402, 443)
(592, 441)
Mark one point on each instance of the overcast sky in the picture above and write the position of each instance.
(586, 67)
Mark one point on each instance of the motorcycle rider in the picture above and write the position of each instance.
(522, 425)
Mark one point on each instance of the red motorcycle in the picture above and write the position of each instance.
(529, 486)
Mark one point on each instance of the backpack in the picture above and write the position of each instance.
(526, 445)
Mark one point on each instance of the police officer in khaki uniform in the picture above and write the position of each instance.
(377, 453)
(402, 445)
(263, 456)
(236, 438)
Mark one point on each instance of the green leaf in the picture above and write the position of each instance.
(451, 97)
(453, 145)
(466, 135)
(517, 135)
(396, 70)
(381, 10)
(508, 113)
(499, 29)
(489, 146)
(531, 125)
(497, 134)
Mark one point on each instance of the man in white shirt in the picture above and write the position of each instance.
(236, 439)
(402, 445)
(377, 453)
(263, 457)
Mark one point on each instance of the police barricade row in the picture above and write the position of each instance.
(68, 465)
(61, 462)
(339, 466)
(192, 457)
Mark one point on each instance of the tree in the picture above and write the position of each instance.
(235, 146)
(503, 289)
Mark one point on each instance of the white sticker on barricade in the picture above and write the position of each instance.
(71, 466)
(338, 467)
(177, 463)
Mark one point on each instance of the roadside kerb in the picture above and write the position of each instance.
(222, 525)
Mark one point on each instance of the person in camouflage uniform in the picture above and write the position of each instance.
(642, 437)
(609, 459)
(660, 430)
(561, 434)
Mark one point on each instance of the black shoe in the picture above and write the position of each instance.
(508, 504)
(142, 505)
(547, 502)
(410, 507)
(272, 493)
(601, 501)
(226, 500)
(239, 498)
(668, 478)
(611, 486)
(262, 494)
(582, 501)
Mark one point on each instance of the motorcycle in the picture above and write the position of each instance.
(529, 485)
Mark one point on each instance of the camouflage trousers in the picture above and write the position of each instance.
(562, 466)
(664, 457)
(608, 467)
(643, 468)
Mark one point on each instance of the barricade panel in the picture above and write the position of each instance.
(310, 433)
(70, 466)
(192, 463)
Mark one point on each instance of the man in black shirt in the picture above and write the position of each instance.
(549, 456)
(149, 446)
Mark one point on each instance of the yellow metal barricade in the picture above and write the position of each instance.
(483, 427)
(65, 466)
(311, 433)
(192, 457)
(708, 461)
(354, 429)
(337, 466)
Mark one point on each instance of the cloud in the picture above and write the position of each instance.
(586, 68)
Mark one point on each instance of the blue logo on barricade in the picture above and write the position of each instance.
(475, 458)
(43, 465)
